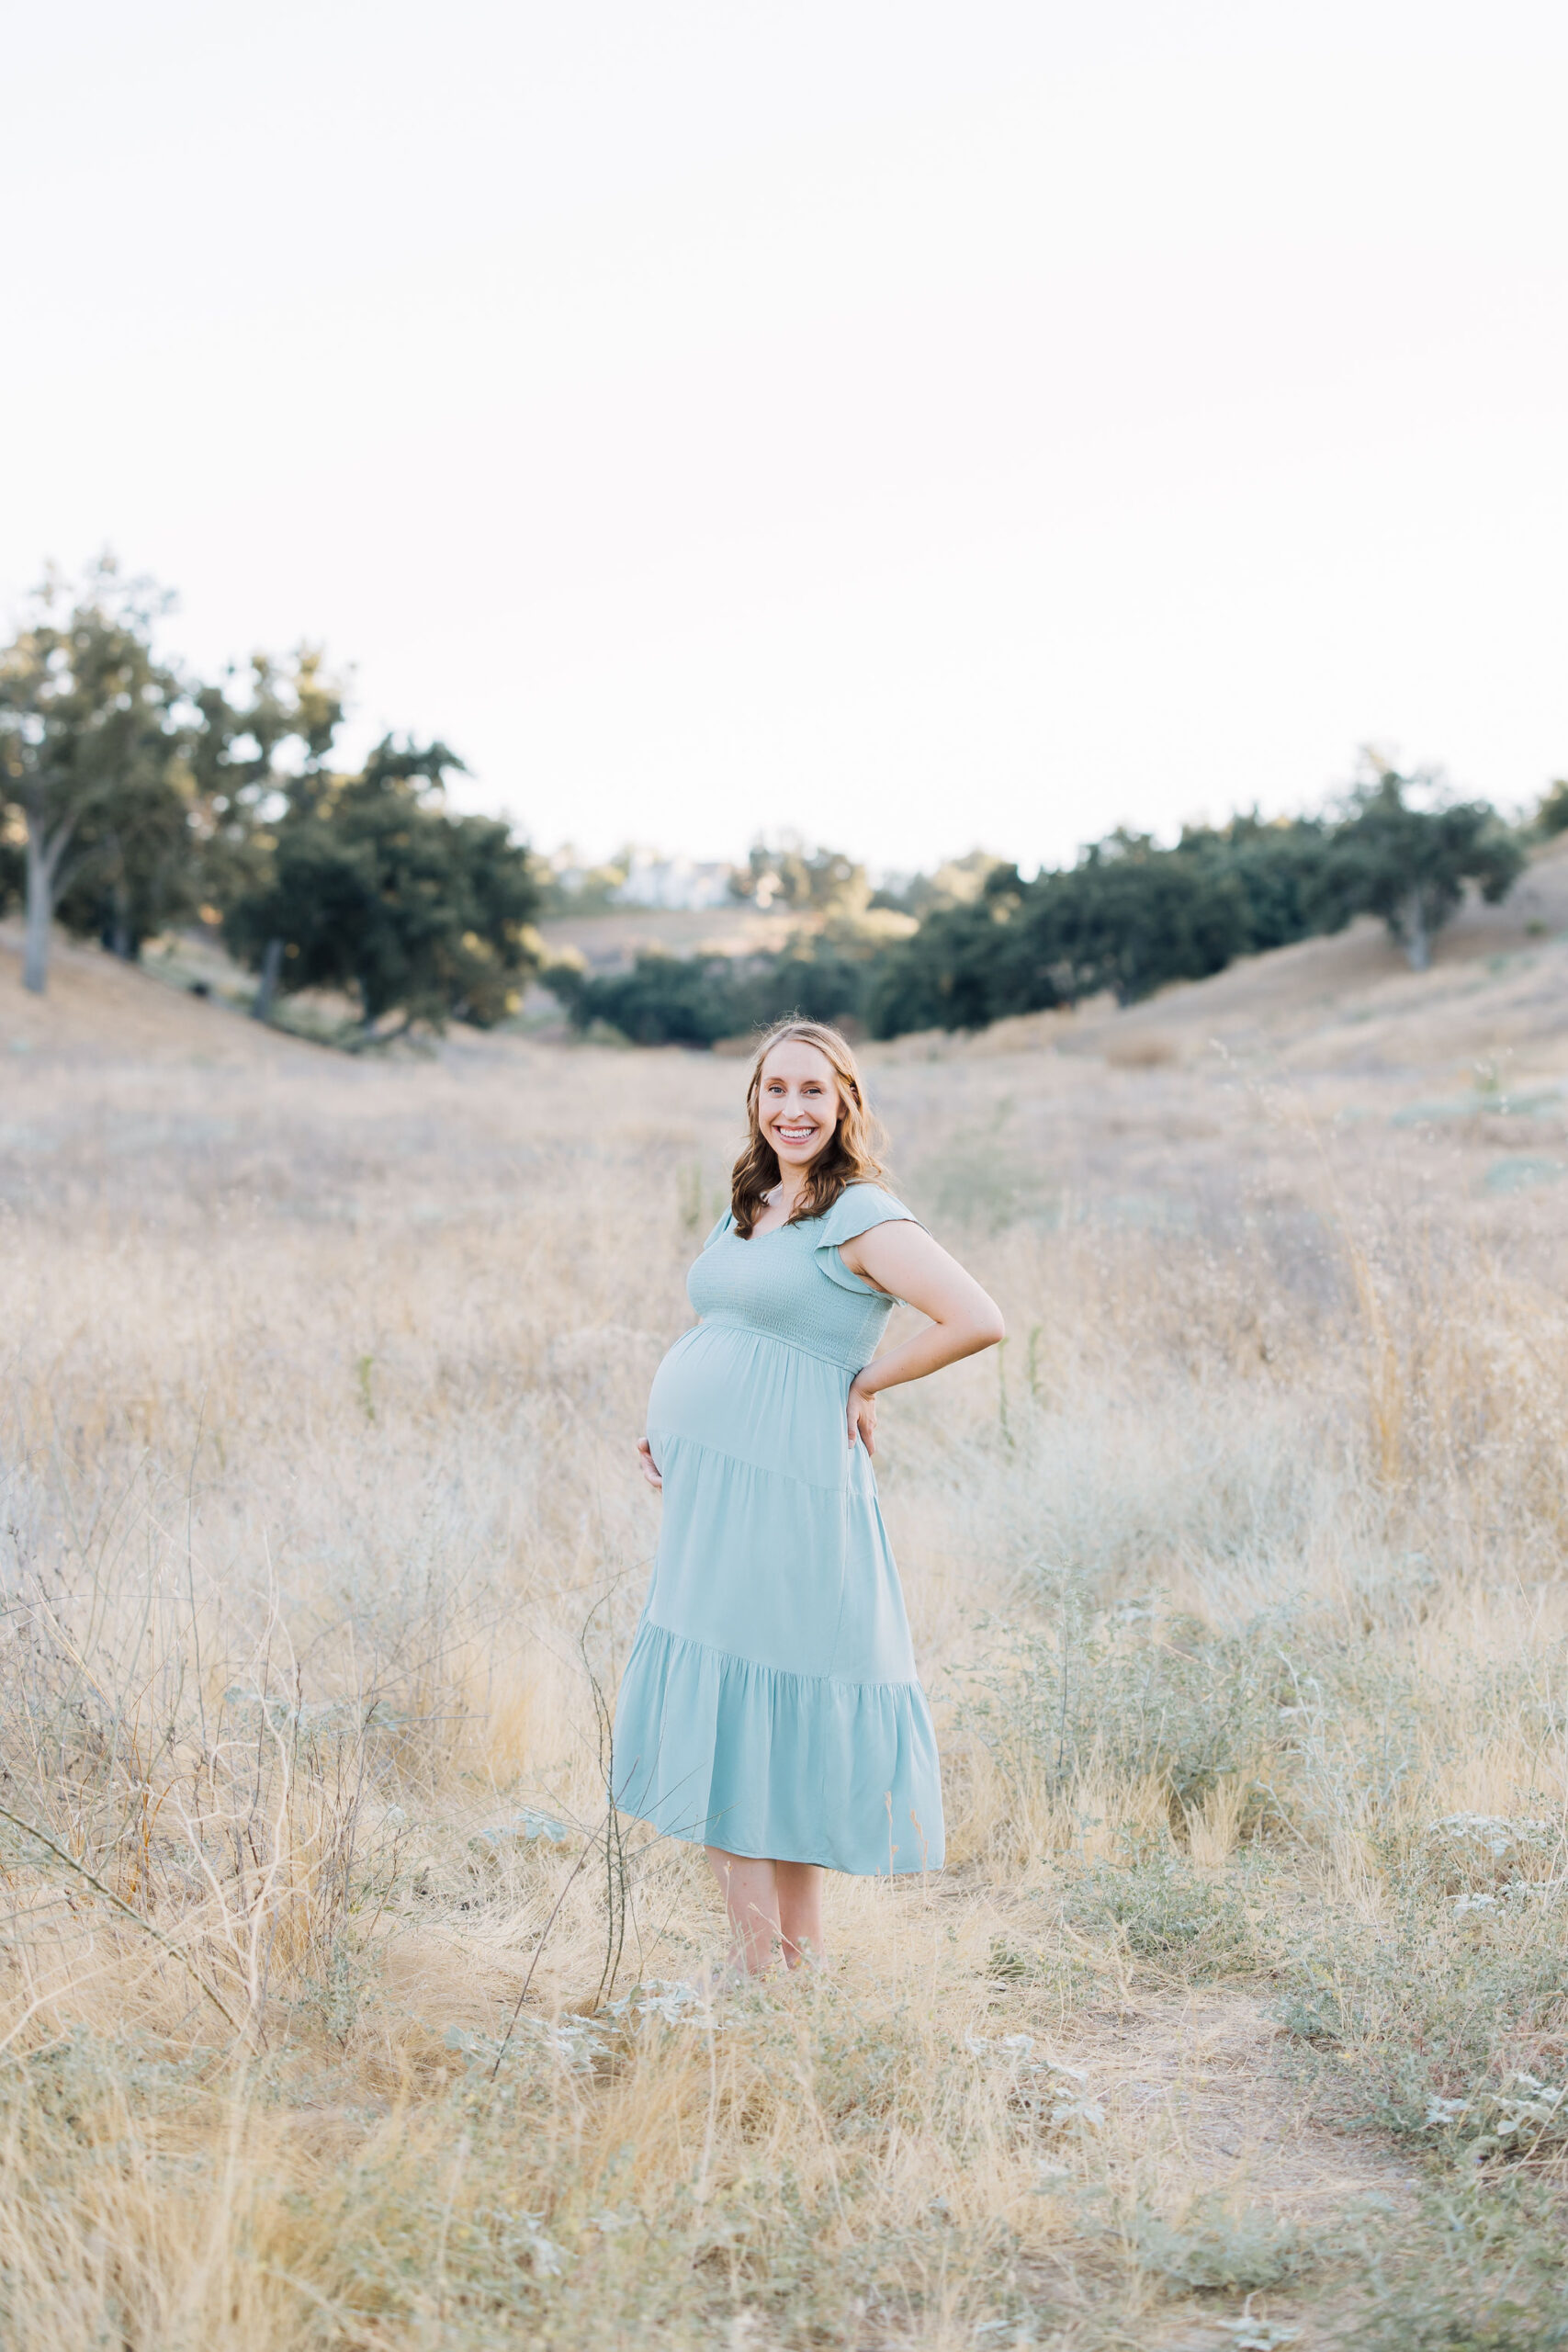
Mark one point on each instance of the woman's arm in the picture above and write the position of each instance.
(901, 1259)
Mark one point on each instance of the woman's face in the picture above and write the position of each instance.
(798, 1102)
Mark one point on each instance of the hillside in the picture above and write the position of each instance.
(1498, 987)
(612, 940)
(100, 1009)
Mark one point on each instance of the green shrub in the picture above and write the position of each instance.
(1475, 1854)
(697, 1000)
(1125, 1697)
(1216, 2247)
(1448, 2029)
(1485, 2270)
(1163, 1912)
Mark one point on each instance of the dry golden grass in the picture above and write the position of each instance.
(1234, 1577)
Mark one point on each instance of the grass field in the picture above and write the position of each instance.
(1240, 2013)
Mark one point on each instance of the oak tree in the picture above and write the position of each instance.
(93, 733)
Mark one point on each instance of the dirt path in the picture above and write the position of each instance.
(1200, 2104)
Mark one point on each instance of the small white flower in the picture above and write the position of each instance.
(549, 2260)
(1445, 2110)
(1078, 2115)
(1250, 2334)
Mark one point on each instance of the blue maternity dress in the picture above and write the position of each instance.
(770, 1706)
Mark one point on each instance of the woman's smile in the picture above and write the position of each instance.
(799, 1103)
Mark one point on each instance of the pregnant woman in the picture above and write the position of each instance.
(769, 1707)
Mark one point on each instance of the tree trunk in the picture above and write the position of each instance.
(44, 853)
(117, 938)
(35, 954)
(271, 966)
(1417, 937)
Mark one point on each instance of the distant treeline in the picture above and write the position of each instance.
(1128, 918)
(137, 799)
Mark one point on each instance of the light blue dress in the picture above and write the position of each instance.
(770, 1706)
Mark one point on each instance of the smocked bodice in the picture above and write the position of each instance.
(791, 1284)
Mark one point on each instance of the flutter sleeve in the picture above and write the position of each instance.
(855, 1212)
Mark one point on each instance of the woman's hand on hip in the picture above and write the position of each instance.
(647, 1465)
(862, 1417)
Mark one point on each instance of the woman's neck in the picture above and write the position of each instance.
(790, 1189)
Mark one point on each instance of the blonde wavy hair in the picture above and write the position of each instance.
(850, 1159)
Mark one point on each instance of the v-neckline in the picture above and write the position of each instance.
(773, 1229)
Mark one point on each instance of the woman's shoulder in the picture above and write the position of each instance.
(866, 1193)
(860, 1207)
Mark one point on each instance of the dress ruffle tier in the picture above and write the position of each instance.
(787, 1767)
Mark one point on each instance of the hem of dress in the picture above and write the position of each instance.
(921, 1868)
(807, 1861)
(668, 1782)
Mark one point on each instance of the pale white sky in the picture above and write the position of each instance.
(919, 425)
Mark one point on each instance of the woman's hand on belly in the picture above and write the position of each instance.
(647, 1465)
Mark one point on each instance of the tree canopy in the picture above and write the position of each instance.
(1128, 917)
(786, 874)
(94, 737)
(1552, 816)
(697, 1000)
(1408, 863)
(368, 882)
(132, 796)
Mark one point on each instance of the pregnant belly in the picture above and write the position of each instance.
(771, 1548)
(741, 1394)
